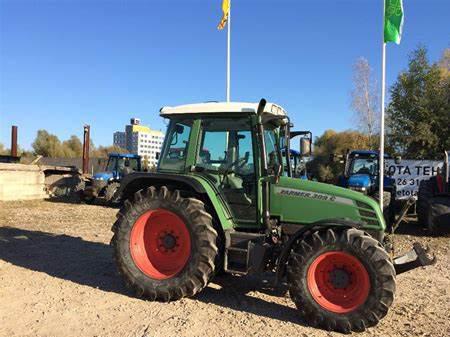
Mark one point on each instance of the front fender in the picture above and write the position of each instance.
(137, 181)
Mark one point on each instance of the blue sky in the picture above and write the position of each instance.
(68, 62)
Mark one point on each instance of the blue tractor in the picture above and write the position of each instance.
(105, 184)
(298, 164)
(361, 173)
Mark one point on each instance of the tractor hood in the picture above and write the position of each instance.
(360, 180)
(102, 176)
(321, 202)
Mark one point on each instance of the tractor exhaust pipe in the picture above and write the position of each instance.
(265, 186)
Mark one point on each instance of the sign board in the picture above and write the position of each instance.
(409, 173)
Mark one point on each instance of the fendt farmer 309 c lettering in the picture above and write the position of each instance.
(220, 201)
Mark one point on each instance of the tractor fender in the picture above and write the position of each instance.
(134, 182)
(303, 232)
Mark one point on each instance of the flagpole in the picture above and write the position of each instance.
(383, 86)
(228, 50)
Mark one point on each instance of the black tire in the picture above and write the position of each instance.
(388, 209)
(438, 216)
(110, 192)
(373, 258)
(426, 192)
(198, 269)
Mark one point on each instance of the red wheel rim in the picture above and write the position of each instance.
(160, 244)
(338, 282)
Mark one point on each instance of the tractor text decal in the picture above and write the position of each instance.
(312, 195)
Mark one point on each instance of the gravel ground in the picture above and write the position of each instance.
(57, 278)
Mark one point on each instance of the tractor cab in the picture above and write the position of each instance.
(119, 165)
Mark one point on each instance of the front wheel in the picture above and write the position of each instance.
(341, 280)
(164, 244)
(110, 192)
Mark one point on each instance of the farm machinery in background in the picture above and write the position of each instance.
(433, 203)
(298, 159)
(361, 174)
(104, 185)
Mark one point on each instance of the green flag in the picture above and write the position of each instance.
(393, 20)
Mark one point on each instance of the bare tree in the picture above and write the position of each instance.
(365, 100)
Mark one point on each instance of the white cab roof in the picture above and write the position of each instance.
(221, 107)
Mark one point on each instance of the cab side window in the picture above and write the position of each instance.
(175, 152)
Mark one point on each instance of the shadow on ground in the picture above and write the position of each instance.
(91, 264)
(412, 227)
(78, 201)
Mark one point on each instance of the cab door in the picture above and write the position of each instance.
(226, 158)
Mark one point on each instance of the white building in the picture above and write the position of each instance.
(140, 140)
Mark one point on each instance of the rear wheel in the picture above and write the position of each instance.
(341, 280)
(164, 245)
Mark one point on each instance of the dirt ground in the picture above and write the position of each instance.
(57, 278)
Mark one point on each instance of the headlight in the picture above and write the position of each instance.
(358, 188)
(99, 178)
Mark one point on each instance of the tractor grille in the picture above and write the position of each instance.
(367, 214)
(361, 204)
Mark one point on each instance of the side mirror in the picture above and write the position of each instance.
(305, 146)
(397, 160)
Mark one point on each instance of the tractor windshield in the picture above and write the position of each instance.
(111, 166)
(130, 164)
(273, 148)
(364, 166)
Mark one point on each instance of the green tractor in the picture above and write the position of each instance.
(220, 202)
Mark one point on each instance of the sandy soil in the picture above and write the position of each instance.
(57, 278)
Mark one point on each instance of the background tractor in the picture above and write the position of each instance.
(105, 184)
(361, 173)
(298, 159)
(433, 199)
(232, 208)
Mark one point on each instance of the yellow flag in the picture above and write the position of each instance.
(225, 9)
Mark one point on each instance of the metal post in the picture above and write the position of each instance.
(14, 141)
(228, 51)
(383, 90)
(86, 140)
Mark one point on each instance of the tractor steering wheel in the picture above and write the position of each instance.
(240, 162)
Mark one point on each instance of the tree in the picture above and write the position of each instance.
(365, 97)
(332, 142)
(444, 63)
(3, 151)
(103, 151)
(72, 148)
(418, 116)
(47, 145)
